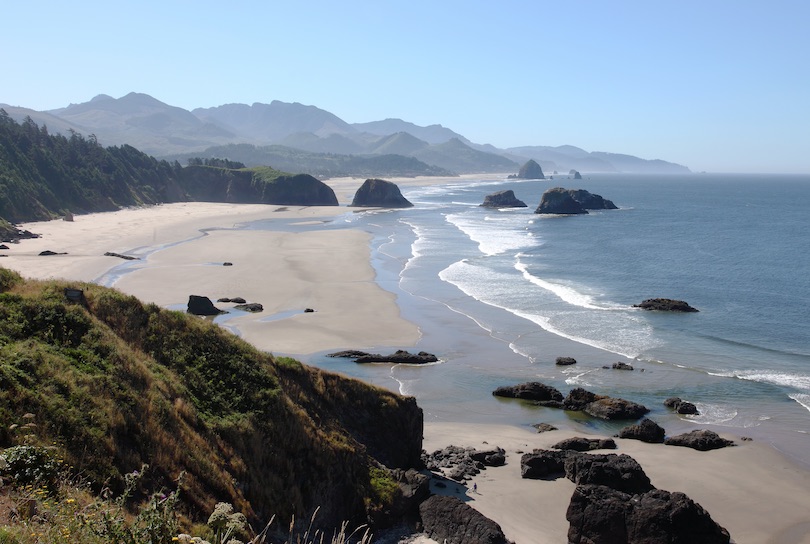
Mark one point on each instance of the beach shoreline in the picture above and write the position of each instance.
(754, 491)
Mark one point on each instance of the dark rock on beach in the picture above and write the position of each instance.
(529, 391)
(253, 307)
(400, 356)
(48, 253)
(599, 514)
(544, 427)
(543, 464)
(612, 408)
(503, 199)
(645, 430)
(578, 443)
(578, 398)
(198, 305)
(120, 256)
(461, 464)
(380, 193)
(449, 520)
(620, 472)
(701, 440)
(235, 300)
(665, 305)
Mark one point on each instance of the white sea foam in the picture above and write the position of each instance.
(801, 398)
(712, 414)
(492, 239)
(797, 381)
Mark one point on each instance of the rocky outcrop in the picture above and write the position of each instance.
(681, 406)
(701, 440)
(619, 365)
(544, 464)
(574, 173)
(198, 305)
(400, 356)
(665, 305)
(531, 170)
(503, 199)
(544, 427)
(414, 488)
(620, 472)
(565, 361)
(571, 201)
(646, 430)
(578, 443)
(613, 409)
(529, 391)
(461, 464)
(450, 520)
(235, 300)
(120, 256)
(600, 514)
(380, 194)
(253, 307)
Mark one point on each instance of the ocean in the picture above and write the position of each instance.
(500, 294)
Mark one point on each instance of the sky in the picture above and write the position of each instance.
(715, 85)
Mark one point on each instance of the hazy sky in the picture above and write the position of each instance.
(716, 85)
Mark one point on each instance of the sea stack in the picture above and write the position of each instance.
(379, 193)
(503, 199)
(572, 201)
(531, 170)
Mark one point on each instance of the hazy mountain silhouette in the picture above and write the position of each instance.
(163, 130)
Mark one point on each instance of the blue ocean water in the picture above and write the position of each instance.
(495, 290)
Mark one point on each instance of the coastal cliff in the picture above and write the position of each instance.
(112, 385)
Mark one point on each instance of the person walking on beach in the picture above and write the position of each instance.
(475, 488)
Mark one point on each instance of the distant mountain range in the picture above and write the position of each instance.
(313, 136)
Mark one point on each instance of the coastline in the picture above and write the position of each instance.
(752, 490)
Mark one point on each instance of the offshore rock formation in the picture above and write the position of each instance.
(380, 193)
(576, 174)
(400, 356)
(198, 305)
(572, 201)
(665, 305)
(531, 170)
(503, 199)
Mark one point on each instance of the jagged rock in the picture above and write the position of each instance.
(572, 201)
(414, 488)
(578, 443)
(531, 170)
(544, 464)
(544, 427)
(558, 201)
(620, 472)
(578, 398)
(380, 193)
(622, 366)
(599, 514)
(665, 305)
(198, 305)
(4, 246)
(591, 201)
(612, 408)
(120, 256)
(681, 406)
(646, 430)
(503, 199)
(576, 174)
(463, 463)
(529, 391)
(400, 356)
(449, 520)
(701, 440)
(253, 307)
(564, 361)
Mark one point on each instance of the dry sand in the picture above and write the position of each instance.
(750, 489)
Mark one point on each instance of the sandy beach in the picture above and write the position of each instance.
(751, 490)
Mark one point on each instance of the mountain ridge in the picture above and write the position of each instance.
(162, 130)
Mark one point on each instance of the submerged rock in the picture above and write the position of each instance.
(529, 391)
(665, 305)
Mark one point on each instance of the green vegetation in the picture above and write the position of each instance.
(325, 165)
(108, 387)
(44, 176)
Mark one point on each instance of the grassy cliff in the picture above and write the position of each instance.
(111, 384)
